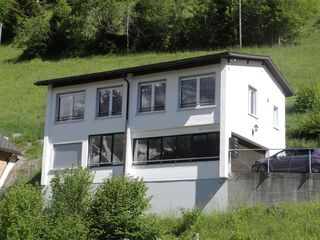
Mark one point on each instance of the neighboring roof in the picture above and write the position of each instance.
(169, 66)
(6, 146)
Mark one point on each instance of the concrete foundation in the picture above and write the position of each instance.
(258, 188)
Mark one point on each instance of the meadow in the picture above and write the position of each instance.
(22, 105)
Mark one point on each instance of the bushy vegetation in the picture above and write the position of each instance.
(115, 210)
(50, 27)
(118, 211)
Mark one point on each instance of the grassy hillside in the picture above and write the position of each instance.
(22, 105)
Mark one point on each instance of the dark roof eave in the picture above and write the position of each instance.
(7, 150)
(169, 66)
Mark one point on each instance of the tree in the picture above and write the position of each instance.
(21, 215)
(118, 210)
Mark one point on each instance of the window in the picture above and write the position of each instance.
(152, 97)
(275, 117)
(193, 147)
(252, 96)
(197, 91)
(67, 155)
(109, 101)
(106, 149)
(71, 106)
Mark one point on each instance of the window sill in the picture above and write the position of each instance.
(150, 112)
(105, 165)
(196, 107)
(175, 161)
(108, 117)
(252, 115)
(69, 121)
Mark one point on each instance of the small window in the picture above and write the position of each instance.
(71, 106)
(197, 91)
(152, 97)
(67, 155)
(106, 149)
(252, 96)
(109, 101)
(275, 117)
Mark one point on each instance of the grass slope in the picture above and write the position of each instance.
(22, 105)
(286, 221)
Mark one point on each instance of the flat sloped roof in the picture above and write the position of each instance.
(169, 66)
(6, 146)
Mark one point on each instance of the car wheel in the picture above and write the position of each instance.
(263, 168)
(315, 168)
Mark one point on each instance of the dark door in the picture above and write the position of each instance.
(300, 161)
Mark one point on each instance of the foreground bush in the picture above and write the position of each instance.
(21, 214)
(118, 211)
(71, 198)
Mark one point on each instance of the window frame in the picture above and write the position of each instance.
(176, 159)
(152, 106)
(64, 143)
(104, 164)
(73, 94)
(110, 113)
(275, 117)
(251, 103)
(198, 78)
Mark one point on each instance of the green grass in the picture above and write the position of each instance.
(287, 221)
(22, 105)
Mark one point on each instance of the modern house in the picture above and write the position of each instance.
(169, 123)
(8, 158)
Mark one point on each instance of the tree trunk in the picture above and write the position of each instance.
(1, 24)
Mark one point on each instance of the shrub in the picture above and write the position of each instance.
(308, 98)
(21, 215)
(118, 210)
(33, 36)
(71, 191)
(71, 197)
(188, 226)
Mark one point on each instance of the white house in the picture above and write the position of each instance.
(169, 123)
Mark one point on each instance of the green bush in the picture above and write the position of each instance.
(308, 99)
(21, 214)
(71, 191)
(71, 197)
(33, 36)
(188, 226)
(118, 211)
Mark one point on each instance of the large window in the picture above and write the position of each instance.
(252, 101)
(106, 149)
(109, 101)
(67, 155)
(152, 96)
(70, 106)
(197, 91)
(195, 147)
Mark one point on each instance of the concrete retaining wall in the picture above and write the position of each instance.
(256, 188)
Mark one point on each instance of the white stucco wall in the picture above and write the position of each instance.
(172, 121)
(239, 76)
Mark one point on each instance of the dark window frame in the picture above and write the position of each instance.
(152, 107)
(72, 117)
(176, 159)
(198, 103)
(109, 113)
(102, 164)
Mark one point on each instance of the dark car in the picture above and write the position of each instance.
(290, 160)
